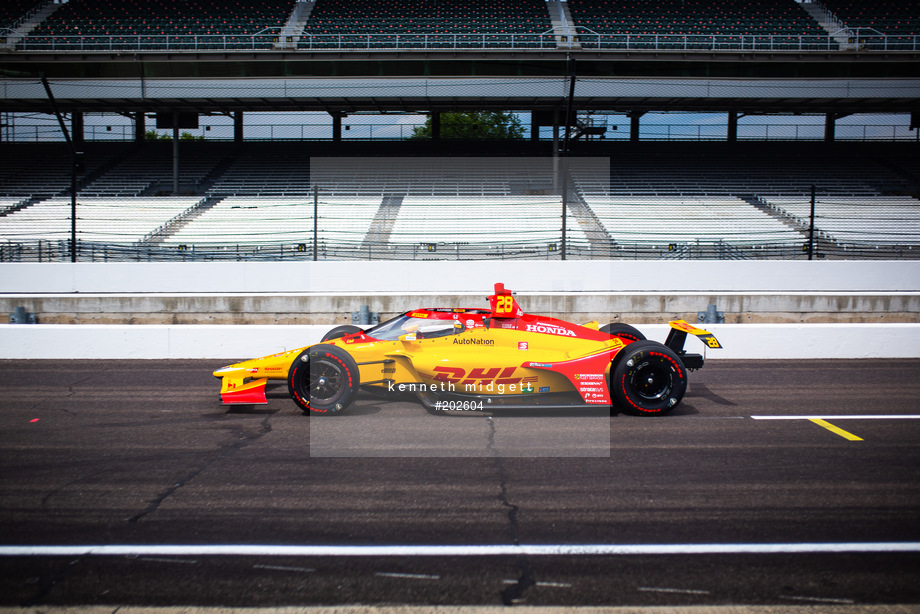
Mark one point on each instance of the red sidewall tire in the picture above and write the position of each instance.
(323, 379)
(623, 331)
(341, 331)
(649, 379)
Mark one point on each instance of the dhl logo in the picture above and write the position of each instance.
(478, 376)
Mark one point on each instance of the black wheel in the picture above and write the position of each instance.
(623, 331)
(341, 331)
(648, 378)
(324, 379)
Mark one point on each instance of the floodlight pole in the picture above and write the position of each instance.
(315, 219)
(74, 163)
(811, 227)
(565, 153)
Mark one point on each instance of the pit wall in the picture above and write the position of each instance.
(565, 284)
(232, 343)
(452, 277)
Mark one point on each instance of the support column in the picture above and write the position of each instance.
(175, 144)
(336, 127)
(634, 125)
(140, 127)
(830, 127)
(76, 129)
(556, 149)
(238, 127)
(534, 127)
(732, 127)
(435, 126)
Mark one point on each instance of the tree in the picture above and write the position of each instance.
(153, 135)
(483, 125)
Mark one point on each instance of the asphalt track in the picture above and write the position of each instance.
(742, 496)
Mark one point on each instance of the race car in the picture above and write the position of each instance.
(458, 358)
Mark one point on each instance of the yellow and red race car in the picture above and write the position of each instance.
(479, 359)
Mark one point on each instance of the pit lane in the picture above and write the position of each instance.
(140, 453)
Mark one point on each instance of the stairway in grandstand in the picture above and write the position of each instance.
(293, 29)
(830, 23)
(383, 222)
(882, 24)
(22, 17)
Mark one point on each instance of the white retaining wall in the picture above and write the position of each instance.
(416, 278)
(741, 341)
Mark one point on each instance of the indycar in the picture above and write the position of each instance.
(459, 358)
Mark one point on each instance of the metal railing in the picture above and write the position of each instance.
(499, 41)
(35, 133)
(59, 251)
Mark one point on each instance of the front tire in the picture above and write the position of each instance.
(648, 379)
(341, 331)
(323, 379)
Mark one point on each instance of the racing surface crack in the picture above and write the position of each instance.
(45, 587)
(514, 593)
(222, 453)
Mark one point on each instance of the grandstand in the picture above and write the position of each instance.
(882, 24)
(182, 25)
(652, 201)
(447, 199)
(429, 24)
(858, 222)
(178, 24)
(12, 12)
(682, 24)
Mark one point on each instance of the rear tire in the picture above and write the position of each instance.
(323, 379)
(623, 331)
(648, 379)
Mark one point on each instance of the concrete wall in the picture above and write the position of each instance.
(336, 308)
(229, 343)
(459, 277)
(326, 293)
(199, 310)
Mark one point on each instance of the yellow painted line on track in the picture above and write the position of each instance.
(835, 429)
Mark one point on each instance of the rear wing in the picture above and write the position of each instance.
(502, 303)
(678, 334)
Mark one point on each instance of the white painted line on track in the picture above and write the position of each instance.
(542, 584)
(682, 591)
(821, 600)
(160, 559)
(459, 549)
(410, 576)
(285, 568)
(843, 417)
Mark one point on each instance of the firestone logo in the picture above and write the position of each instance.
(549, 330)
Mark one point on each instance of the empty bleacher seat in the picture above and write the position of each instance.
(427, 23)
(176, 24)
(694, 23)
